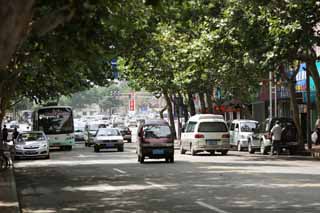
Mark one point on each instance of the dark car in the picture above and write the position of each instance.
(155, 140)
(261, 139)
(126, 133)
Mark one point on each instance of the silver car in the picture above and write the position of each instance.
(32, 144)
(108, 138)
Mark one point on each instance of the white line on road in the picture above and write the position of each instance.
(210, 207)
(120, 171)
(156, 185)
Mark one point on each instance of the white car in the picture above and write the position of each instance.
(205, 132)
(108, 138)
(32, 144)
(240, 132)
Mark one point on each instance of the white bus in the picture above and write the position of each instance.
(57, 124)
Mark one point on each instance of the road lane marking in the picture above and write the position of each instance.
(120, 171)
(215, 209)
(156, 185)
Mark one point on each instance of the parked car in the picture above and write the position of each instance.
(261, 139)
(155, 140)
(32, 144)
(240, 130)
(126, 133)
(205, 132)
(91, 131)
(108, 138)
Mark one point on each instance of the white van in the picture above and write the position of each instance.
(205, 132)
(240, 130)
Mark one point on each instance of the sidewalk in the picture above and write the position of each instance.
(8, 193)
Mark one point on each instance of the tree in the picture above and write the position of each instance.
(54, 48)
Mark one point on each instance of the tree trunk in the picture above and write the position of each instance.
(295, 109)
(209, 100)
(162, 111)
(202, 103)
(15, 19)
(191, 104)
(184, 108)
(311, 65)
(170, 114)
(3, 106)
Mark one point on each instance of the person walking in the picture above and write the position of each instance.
(5, 133)
(276, 138)
(15, 134)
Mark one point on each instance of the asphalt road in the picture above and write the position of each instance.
(84, 181)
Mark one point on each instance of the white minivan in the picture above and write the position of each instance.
(240, 130)
(205, 132)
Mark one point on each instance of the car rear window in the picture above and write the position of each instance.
(157, 131)
(212, 127)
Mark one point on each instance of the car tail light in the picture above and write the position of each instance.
(198, 136)
(225, 136)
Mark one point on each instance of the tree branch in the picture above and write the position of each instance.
(50, 22)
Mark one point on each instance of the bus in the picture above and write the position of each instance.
(57, 123)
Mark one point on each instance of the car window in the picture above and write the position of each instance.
(191, 126)
(212, 127)
(237, 126)
(157, 131)
(232, 127)
(247, 126)
(33, 136)
(108, 132)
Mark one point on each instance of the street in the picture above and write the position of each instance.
(84, 181)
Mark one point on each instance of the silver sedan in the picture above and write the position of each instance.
(32, 144)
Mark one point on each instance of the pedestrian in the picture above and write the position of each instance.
(15, 134)
(317, 130)
(4, 133)
(276, 138)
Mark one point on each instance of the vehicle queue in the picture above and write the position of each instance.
(202, 133)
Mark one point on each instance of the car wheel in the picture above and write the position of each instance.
(47, 157)
(293, 150)
(263, 149)
(171, 159)
(193, 152)
(69, 148)
(120, 148)
(239, 147)
(212, 152)
(96, 149)
(182, 151)
(224, 152)
(250, 149)
(129, 140)
(141, 159)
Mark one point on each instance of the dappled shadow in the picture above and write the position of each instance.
(85, 182)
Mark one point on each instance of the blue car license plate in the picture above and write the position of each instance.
(158, 151)
(212, 142)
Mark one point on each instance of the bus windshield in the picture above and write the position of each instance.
(55, 120)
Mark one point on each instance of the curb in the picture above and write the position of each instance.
(9, 201)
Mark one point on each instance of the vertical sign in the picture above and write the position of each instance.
(132, 102)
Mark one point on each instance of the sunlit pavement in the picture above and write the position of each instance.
(84, 181)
